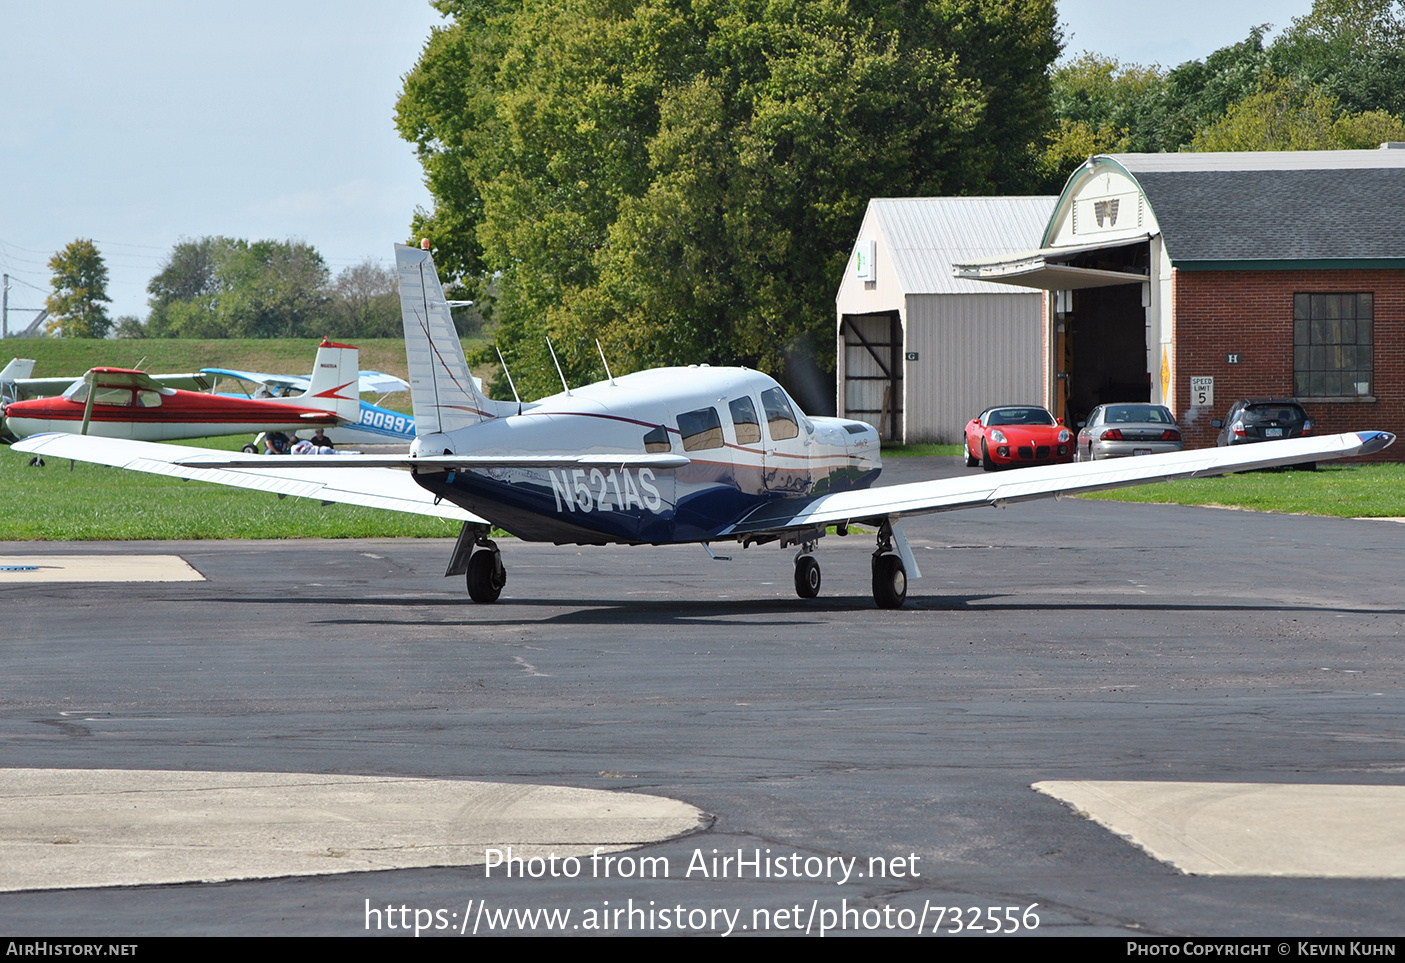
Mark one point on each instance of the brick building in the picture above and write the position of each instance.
(1192, 280)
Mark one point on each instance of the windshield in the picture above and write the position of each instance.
(1019, 416)
(1280, 413)
(1138, 414)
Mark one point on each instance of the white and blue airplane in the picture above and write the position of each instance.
(670, 455)
(375, 426)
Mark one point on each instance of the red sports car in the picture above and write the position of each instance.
(1012, 436)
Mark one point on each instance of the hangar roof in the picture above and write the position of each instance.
(924, 236)
(1323, 207)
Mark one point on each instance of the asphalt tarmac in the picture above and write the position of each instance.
(1070, 641)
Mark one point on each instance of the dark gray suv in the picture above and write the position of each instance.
(1264, 419)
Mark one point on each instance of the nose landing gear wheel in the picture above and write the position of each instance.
(889, 581)
(807, 577)
(486, 576)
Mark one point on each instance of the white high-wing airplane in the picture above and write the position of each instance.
(670, 455)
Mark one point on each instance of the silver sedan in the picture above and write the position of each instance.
(1122, 430)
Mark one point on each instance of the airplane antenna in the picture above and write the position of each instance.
(509, 378)
(558, 366)
(603, 361)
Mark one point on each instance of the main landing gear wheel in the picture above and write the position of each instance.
(966, 450)
(807, 577)
(889, 581)
(486, 575)
(250, 449)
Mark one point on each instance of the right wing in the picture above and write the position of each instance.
(1049, 481)
(371, 487)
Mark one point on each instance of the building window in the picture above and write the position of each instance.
(1332, 345)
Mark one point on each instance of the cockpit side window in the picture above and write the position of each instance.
(744, 421)
(780, 419)
(656, 441)
(700, 429)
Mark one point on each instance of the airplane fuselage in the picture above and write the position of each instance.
(159, 416)
(746, 442)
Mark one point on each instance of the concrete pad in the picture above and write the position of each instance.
(1252, 829)
(72, 828)
(96, 568)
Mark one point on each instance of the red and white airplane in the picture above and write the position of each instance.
(126, 403)
(667, 456)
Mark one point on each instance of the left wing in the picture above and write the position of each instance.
(371, 487)
(974, 491)
(37, 387)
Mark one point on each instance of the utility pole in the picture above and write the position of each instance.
(5, 309)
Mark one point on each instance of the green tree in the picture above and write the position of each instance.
(1353, 49)
(683, 180)
(1289, 115)
(189, 275)
(219, 287)
(365, 303)
(1101, 107)
(80, 291)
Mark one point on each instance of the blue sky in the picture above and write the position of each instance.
(139, 123)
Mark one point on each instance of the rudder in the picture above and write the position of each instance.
(336, 378)
(441, 385)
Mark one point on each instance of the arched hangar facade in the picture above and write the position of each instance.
(1192, 280)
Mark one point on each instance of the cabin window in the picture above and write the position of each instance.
(700, 429)
(744, 420)
(657, 440)
(780, 419)
(148, 399)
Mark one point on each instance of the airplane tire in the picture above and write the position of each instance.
(971, 461)
(807, 577)
(889, 581)
(486, 576)
(250, 449)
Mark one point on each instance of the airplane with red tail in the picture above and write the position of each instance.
(130, 404)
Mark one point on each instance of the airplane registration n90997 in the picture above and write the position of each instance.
(668, 455)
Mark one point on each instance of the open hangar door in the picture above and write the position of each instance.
(1102, 344)
(873, 371)
(1100, 334)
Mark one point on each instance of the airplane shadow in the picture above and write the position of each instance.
(746, 612)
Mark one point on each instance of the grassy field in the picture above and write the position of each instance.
(1346, 491)
(97, 502)
(921, 451)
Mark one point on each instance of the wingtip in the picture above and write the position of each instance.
(1374, 441)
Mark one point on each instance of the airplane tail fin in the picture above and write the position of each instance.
(441, 385)
(17, 369)
(335, 381)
